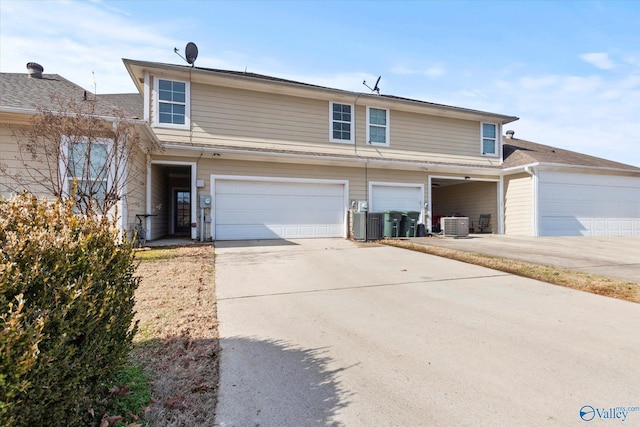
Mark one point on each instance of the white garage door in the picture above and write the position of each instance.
(396, 197)
(258, 209)
(588, 205)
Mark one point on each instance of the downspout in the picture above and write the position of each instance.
(429, 219)
(501, 205)
(534, 188)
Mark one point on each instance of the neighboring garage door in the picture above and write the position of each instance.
(396, 197)
(588, 205)
(260, 208)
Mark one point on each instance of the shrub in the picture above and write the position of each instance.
(66, 306)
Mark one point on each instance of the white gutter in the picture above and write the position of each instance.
(539, 165)
(33, 111)
(419, 166)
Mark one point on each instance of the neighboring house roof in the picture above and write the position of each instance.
(518, 152)
(18, 91)
(132, 103)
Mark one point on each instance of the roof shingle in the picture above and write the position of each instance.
(18, 90)
(518, 152)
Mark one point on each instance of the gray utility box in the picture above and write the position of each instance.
(359, 225)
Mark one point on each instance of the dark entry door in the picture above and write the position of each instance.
(182, 214)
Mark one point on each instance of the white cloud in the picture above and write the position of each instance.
(433, 71)
(599, 59)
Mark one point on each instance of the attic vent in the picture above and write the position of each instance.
(510, 134)
(34, 70)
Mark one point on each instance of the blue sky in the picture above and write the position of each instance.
(569, 70)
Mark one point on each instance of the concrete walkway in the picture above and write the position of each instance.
(330, 332)
(617, 257)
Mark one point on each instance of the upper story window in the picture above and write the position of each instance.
(489, 139)
(377, 126)
(172, 103)
(341, 122)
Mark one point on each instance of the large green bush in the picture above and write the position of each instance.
(66, 307)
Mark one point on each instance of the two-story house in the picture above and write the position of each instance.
(248, 156)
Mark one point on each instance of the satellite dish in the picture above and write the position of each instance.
(375, 87)
(191, 52)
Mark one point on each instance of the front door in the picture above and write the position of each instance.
(182, 211)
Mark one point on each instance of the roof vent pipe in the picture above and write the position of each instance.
(35, 70)
(510, 134)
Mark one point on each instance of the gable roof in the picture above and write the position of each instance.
(269, 83)
(518, 152)
(19, 92)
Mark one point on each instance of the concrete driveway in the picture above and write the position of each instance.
(617, 257)
(330, 332)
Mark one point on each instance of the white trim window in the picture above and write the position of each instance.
(489, 142)
(88, 164)
(377, 126)
(172, 106)
(341, 122)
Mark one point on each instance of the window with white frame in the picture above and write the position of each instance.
(172, 103)
(489, 139)
(87, 164)
(377, 126)
(342, 117)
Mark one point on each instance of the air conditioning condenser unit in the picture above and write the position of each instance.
(455, 226)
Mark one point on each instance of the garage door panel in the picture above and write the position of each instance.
(588, 205)
(396, 198)
(250, 209)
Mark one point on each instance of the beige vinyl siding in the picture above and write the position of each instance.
(358, 177)
(468, 199)
(136, 194)
(237, 113)
(160, 201)
(518, 205)
(17, 177)
(434, 135)
(231, 117)
(9, 152)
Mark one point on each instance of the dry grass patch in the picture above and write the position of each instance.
(177, 340)
(595, 284)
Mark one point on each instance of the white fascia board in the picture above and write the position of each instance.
(18, 110)
(578, 168)
(569, 168)
(420, 167)
(33, 111)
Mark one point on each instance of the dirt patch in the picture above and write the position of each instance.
(177, 340)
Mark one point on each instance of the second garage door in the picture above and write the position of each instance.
(260, 208)
(574, 204)
(396, 197)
